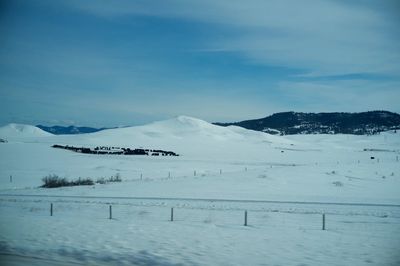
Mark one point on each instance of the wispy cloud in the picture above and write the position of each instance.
(342, 95)
(321, 37)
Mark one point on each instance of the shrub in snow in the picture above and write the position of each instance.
(101, 180)
(82, 182)
(115, 178)
(338, 183)
(53, 181)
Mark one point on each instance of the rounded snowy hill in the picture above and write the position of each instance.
(182, 127)
(184, 135)
(16, 131)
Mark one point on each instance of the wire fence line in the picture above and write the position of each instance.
(221, 213)
(201, 200)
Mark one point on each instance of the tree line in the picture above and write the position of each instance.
(116, 150)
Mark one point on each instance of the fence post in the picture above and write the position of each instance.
(141, 176)
(220, 171)
(110, 212)
(245, 218)
(10, 178)
(172, 214)
(194, 173)
(169, 174)
(323, 221)
(51, 209)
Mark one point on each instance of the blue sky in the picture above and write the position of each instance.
(111, 63)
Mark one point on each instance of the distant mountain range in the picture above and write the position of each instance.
(288, 123)
(60, 130)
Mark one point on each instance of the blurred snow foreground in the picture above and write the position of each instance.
(190, 210)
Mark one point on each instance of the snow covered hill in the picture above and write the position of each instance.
(184, 127)
(15, 131)
(185, 135)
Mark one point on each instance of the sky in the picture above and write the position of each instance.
(117, 63)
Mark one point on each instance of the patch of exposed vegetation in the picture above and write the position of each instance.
(112, 179)
(53, 181)
(338, 183)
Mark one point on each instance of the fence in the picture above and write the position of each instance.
(313, 216)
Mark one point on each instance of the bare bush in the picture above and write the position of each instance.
(338, 183)
(53, 181)
(111, 179)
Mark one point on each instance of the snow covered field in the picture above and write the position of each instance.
(220, 173)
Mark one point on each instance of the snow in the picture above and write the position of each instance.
(143, 235)
(13, 131)
(221, 171)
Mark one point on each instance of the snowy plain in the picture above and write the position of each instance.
(285, 183)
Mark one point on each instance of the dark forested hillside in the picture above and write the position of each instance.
(323, 123)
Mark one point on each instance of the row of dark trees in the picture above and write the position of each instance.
(116, 150)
